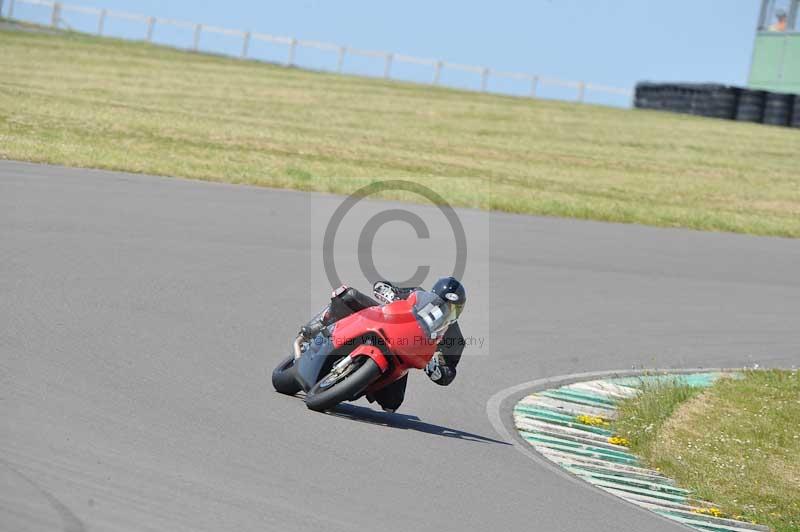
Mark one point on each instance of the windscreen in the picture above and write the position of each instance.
(434, 313)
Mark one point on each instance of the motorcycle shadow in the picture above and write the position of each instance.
(406, 422)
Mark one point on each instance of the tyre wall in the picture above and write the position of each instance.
(720, 101)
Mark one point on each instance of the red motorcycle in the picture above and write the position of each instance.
(364, 351)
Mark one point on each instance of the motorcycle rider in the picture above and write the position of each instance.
(436, 309)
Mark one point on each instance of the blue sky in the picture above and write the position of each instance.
(612, 42)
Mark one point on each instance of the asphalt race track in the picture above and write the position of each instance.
(140, 318)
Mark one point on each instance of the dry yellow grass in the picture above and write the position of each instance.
(89, 102)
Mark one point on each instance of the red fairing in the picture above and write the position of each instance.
(403, 338)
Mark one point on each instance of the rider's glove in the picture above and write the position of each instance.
(433, 370)
(311, 330)
(317, 325)
(438, 371)
(384, 291)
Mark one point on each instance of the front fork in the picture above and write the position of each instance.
(342, 365)
(364, 350)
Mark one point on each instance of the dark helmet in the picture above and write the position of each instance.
(452, 291)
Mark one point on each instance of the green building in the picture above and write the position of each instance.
(776, 55)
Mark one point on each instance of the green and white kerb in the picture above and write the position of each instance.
(569, 426)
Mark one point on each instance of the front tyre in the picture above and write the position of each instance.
(283, 377)
(330, 390)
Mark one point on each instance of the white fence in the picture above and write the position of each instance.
(580, 89)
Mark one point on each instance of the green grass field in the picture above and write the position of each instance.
(736, 444)
(89, 102)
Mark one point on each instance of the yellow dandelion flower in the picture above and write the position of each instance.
(594, 421)
(619, 440)
(714, 512)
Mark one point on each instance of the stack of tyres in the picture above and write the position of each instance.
(698, 99)
(796, 113)
(671, 99)
(666, 98)
(682, 98)
(659, 98)
(750, 107)
(649, 96)
(722, 102)
(698, 95)
(712, 100)
(778, 108)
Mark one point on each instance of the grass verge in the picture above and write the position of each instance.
(736, 444)
(84, 101)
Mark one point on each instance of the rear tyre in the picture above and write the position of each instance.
(325, 395)
(283, 377)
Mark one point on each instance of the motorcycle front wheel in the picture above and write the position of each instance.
(334, 389)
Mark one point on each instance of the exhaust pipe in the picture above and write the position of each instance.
(297, 342)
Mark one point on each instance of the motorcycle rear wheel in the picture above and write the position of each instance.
(283, 377)
(321, 398)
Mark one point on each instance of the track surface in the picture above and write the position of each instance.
(141, 317)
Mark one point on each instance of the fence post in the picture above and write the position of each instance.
(197, 29)
(56, 16)
(151, 22)
(484, 79)
(340, 64)
(581, 91)
(101, 21)
(245, 44)
(437, 72)
(292, 49)
(387, 69)
(534, 85)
